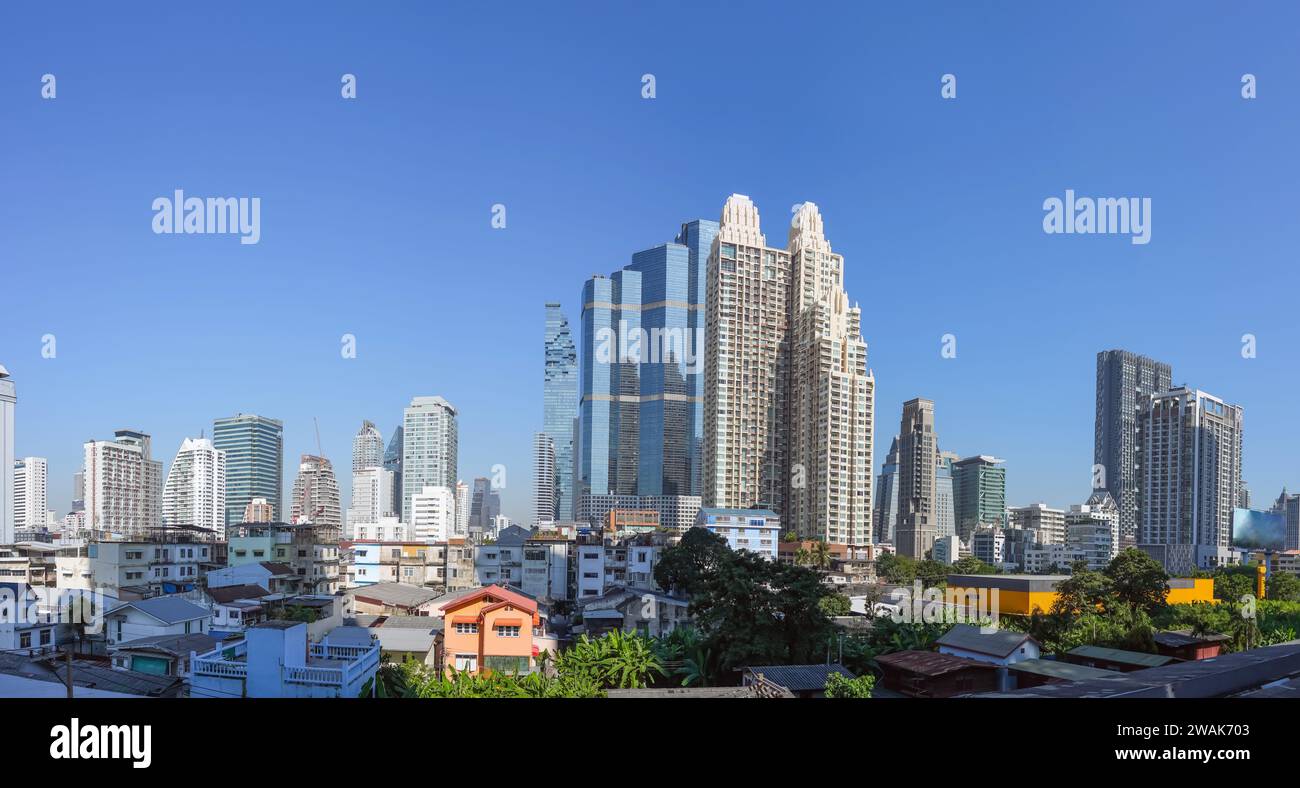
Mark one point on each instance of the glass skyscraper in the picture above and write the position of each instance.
(254, 447)
(429, 448)
(642, 371)
(560, 407)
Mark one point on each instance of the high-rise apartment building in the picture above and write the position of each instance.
(259, 510)
(918, 463)
(560, 408)
(372, 496)
(31, 493)
(832, 394)
(1190, 444)
(433, 514)
(316, 498)
(544, 477)
(123, 485)
(1047, 524)
(462, 510)
(979, 486)
(254, 447)
(1125, 381)
(747, 366)
(8, 399)
(195, 490)
(367, 447)
(429, 448)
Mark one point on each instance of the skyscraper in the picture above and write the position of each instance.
(7, 402)
(832, 394)
(560, 407)
(316, 497)
(1190, 444)
(1124, 382)
(429, 448)
(195, 490)
(485, 505)
(123, 485)
(79, 491)
(746, 365)
(885, 517)
(979, 486)
(393, 462)
(31, 493)
(254, 447)
(641, 424)
(544, 473)
(945, 511)
(917, 465)
(367, 447)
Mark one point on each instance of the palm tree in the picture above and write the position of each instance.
(802, 556)
(821, 554)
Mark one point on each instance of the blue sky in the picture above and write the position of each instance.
(376, 212)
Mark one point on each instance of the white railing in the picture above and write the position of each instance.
(332, 677)
(328, 651)
(221, 662)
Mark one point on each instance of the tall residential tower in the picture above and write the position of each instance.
(254, 447)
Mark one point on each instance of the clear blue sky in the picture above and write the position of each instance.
(375, 212)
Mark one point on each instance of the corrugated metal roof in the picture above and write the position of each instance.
(169, 609)
(799, 678)
(1061, 670)
(930, 663)
(999, 643)
(1120, 656)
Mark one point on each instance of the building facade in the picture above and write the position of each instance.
(560, 409)
(918, 464)
(1191, 477)
(1125, 381)
(429, 448)
(316, 497)
(979, 486)
(195, 490)
(31, 493)
(832, 394)
(123, 485)
(254, 447)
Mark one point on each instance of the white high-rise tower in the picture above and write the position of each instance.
(195, 490)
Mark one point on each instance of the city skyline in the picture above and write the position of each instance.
(953, 197)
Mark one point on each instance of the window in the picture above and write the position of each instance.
(25, 640)
(467, 629)
(507, 632)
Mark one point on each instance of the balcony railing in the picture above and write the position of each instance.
(221, 662)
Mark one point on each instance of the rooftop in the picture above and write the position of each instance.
(396, 594)
(999, 643)
(167, 609)
(1120, 656)
(799, 678)
(930, 663)
(1057, 669)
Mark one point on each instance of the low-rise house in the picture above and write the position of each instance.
(1115, 659)
(235, 608)
(1182, 644)
(928, 674)
(757, 530)
(163, 615)
(649, 613)
(23, 677)
(278, 578)
(802, 681)
(405, 637)
(999, 647)
(395, 599)
(493, 628)
(21, 633)
(276, 660)
(161, 655)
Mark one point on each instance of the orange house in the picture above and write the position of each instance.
(490, 628)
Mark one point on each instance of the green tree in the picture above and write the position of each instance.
(836, 605)
(820, 554)
(1138, 580)
(970, 565)
(897, 569)
(1283, 587)
(687, 567)
(840, 686)
(1084, 591)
